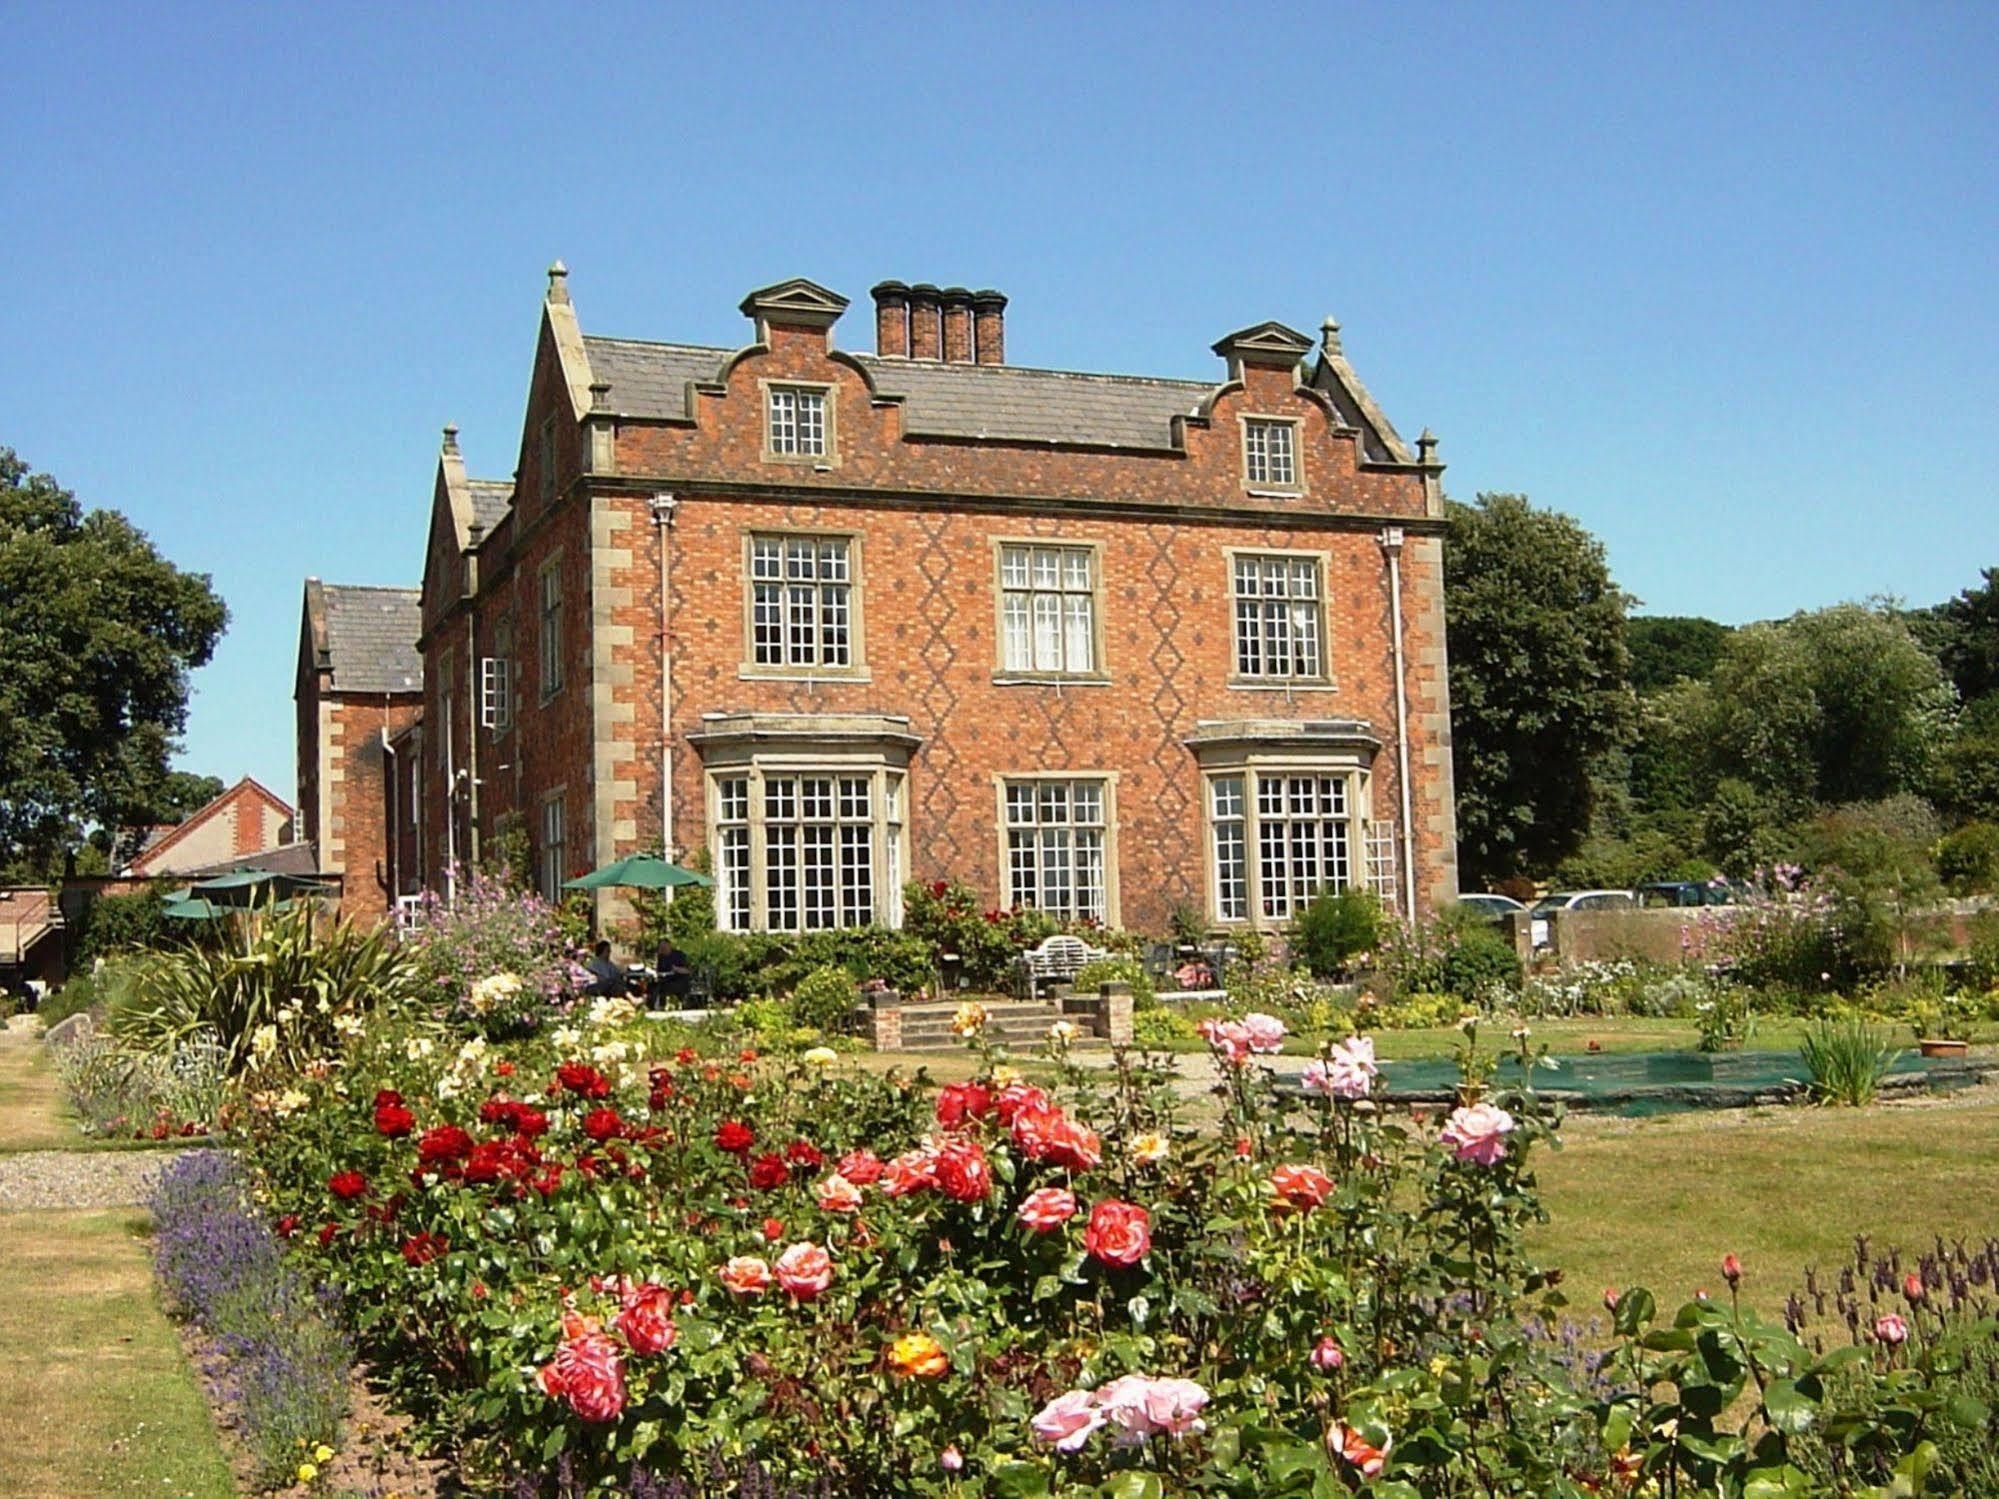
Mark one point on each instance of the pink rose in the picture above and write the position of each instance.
(912, 1171)
(1326, 1356)
(1140, 1406)
(1067, 1421)
(1265, 1033)
(805, 1270)
(951, 1460)
(746, 1275)
(838, 1195)
(1229, 1038)
(1344, 1441)
(1119, 1233)
(1047, 1208)
(587, 1371)
(1478, 1134)
(1348, 1073)
(961, 1170)
(1890, 1329)
(861, 1167)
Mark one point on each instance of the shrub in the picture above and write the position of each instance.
(1792, 934)
(1458, 954)
(1847, 1058)
(1724, 1019)
(948, 917)
(1335, 928)
(1144, 994)
(1162, 1028)
(491, 932)
(825, 1000)
(95, 989)
(120, 923)
(1968, 859)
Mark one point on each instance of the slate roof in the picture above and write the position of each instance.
(994, 401)
(371, 637)
(491, 500)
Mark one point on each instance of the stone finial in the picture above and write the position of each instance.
(450, 437)
(600, 395)
(1329, 336)
(558, 282)
(1426, 447)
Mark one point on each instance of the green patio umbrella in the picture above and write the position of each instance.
(193, 908)
(241, 887)
(637, 872)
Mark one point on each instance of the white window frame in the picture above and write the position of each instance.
(1048, 596)
(552, 846)
(798, 422)
(1281, 831)
(1270, 453)
(797, 624)
(1286, 642)
(1058, 843)
(775, 821)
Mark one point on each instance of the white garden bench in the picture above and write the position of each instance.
(1058, 959)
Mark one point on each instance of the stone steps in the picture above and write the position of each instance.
(1022, 1024)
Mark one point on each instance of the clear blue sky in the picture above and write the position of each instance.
(1718, 280)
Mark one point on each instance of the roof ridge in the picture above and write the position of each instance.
(893, 362)
(658, 343)
(376, 587)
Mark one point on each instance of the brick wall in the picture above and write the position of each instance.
(357, 835)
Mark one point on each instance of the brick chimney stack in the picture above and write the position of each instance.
(892, 320)
(989, 326)
(957, 325)
(926, 331)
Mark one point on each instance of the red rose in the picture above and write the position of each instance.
(773, 1230)
(1072, 1147)
(911, 1171)
(1047, 1209)
(287, 1225)
(1119, 1233)
(580, 1078)
(549, 1180)
(1301, 1186)
(861, 1167)
(503, 1069)
(529, 1123)
(768, 1173)
(962, 1172)
(387, 1096)
(603, 1124)
(961, 1101)
(393, 1120)
(662, 1088)
(685, 1056)
(1017, 1096)
(735, 1136)
(490, 1160)
(589, 1373)
(347, 1185)
(804, 1153)
(498, 1111)
(646, 1319)
(327, 1233)
(423, 1248)
(443, 1145)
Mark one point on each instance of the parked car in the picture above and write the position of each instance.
(1490, 907)
(1576, 900)
(1687, 893)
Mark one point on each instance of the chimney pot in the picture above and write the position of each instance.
(989, 326)
(957, 303)
(891, 320)
(926, 318)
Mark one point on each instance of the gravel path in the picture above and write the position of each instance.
(79, 1178)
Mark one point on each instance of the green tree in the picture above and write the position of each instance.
(183, 793)
(1964, 636)
(1835, 705)
(98, 633)
(1667, 648)
(1539, 687)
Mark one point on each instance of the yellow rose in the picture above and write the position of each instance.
(322, 1453)
(917, 1355)
(1150, 1148)
(970, 1019)
(820, 1056)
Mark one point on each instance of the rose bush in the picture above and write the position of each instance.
(600, 1250)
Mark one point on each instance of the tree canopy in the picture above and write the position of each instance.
(1540, 688)
(1667, 648)
(98, 633)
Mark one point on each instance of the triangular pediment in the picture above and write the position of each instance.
(1265, 343)
(796, 301)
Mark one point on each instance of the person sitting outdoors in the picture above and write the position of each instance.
(606, 977)
(673, 973)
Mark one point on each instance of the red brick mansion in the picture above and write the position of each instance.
(1104, 645)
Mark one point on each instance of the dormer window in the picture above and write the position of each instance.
(796, 422)
(1269, 453)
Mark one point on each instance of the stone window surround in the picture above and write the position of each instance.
(1005, 676)
(1296, 486)
(829, 456)
(1108, 779)
(856, 669)
(1343, 749)
(550, 881)
(1325, 681)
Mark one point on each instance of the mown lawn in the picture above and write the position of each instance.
(1659, 1202)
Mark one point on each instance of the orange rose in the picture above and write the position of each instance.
(838, 1195)
(917, 1355)
(1301, 1186)
(746, 1275)
(1119, 1233)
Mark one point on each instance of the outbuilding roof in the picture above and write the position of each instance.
(368, 635)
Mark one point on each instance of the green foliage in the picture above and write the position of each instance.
(950, 918)
(1724, 1020)
(1161, 1028)
(1846, 1057)
(508, 854)
(116, 1090)
(1335, 928)
(1539, 688)
(119, 923)
(273, 991)
(1119, 970)
(1458, 954)
(1964, 636)
(1188, 923)
(825, 999)
(1967, 778)
(1668, 648)
(1739, 831)
(98, 633)
(95, 988)
(498, 957)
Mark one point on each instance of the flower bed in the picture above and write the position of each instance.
(588, 1267)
